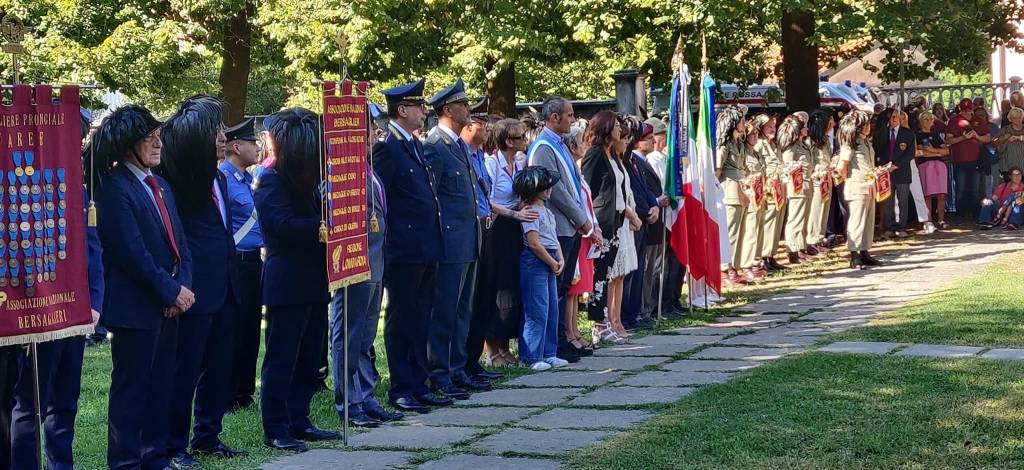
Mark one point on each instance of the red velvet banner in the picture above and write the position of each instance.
(346, 144)
(44, 287)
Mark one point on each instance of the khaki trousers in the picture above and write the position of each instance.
(817, 221)
(773, 216)
(860, 228)
(735, 216)
(753, 238)
(796, 223)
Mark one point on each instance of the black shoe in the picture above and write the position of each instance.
(794, 257)
(468, 383)
(856, 262)
(869, 260)
(219, 450)
(377, 412)
(775, 264)
(568, 353)
(314, 434)
(811, 250)
(286, 444)
(409, 404)
(183, 461)
(359, 418)
(451, 391)
(429, 399)
(488, 375)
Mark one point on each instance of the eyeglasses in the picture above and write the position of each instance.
(1017, 173)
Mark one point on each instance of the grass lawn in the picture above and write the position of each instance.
(986, 309)
(818, 410)
(837, 411)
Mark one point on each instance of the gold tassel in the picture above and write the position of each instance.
(323, 232)
(374, 225)
(91, 214)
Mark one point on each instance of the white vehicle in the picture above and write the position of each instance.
(773, 97)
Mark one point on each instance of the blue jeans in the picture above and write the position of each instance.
(968, 185)
(988, 213)
(539, 338)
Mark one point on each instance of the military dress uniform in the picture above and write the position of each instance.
(859, 193)
(733, 160)
(248, 239)
(753, 234)
(449, 160)
(412, 252)
(817, 220)
(774, 214)
(799, 200)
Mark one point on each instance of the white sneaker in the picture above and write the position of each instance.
(556, 362)
(929, 228)
(901, 234)
(539, 366)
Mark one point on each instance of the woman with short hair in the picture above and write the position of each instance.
(1010, 143)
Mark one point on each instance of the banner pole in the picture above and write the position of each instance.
(344, 426)
(689, 292)
(34, 353)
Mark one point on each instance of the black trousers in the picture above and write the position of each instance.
(60, 383)
(449, 321)
(250, 319)
(410, 290)
(203, 382)
(570, 253)
(141, 389)
(8, 375)
(482, 316)
(295, 341)
(633, 284)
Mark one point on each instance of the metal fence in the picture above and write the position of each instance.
(950, 95)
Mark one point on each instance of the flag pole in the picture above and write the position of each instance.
(664, 265)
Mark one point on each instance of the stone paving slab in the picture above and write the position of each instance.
(615, 363)
(528, 441)
(801, 329)
(744, 354)
(675, 340)
(488, 462)
(674, 379)
(709, 330)
(470, 416)
(574, 378)
(771, 339)
(517, 397)
(1005, 354)
(860, 347)
(939, 350)
(412, 437)
(839, 314)
(709, 365)
(319, 459)
(664, 350)
(574, 418)
(625, 396)
(754, 321)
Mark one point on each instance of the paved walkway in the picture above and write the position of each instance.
(537, 419)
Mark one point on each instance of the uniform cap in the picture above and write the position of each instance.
(454, 93)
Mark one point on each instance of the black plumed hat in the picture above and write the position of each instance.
(534, 180)
(116, 136)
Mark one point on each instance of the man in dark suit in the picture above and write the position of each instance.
(647, 208)
(897, 145)
(457, 180)
(193, 141)
(147, 268)
(412, 250)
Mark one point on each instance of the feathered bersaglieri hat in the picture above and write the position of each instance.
(190, 150)
(534, 180)
(116, 137)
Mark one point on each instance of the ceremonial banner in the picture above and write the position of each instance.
(796, 180)
(346, 144)
(778, 192)
(825, 188)
(883, 186)
(44, 289)
(756, 191)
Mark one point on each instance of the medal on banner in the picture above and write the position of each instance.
(49, 224)
(37, 224)
(3, 244)
(24, 189)
(61, 221)
(12, 229)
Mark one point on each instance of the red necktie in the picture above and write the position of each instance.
(892, 145)
(164, 216)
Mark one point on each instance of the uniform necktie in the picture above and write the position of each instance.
(892, 145)
(164, 216)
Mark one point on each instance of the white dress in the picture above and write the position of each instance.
(626, 259)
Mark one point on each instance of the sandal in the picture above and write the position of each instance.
(602, 332)
(510, 360)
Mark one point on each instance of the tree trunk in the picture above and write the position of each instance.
(799, 61)
(501, 91)
(237, 62)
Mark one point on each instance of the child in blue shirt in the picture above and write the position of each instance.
(539, 265)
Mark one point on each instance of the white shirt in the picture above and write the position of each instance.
(501, 188)
(220, 202)
(657, 161)
(141, 174)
